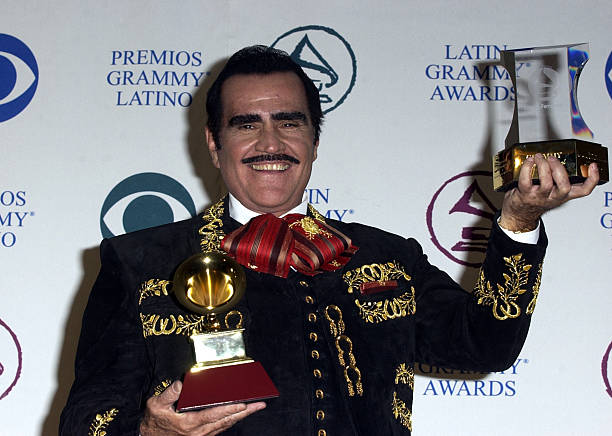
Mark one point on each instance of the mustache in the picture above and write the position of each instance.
(270, 158)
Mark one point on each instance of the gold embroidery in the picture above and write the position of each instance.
(162, 387)
(374, 273)
(404, 375)
(536, 291)
(212, 232)
(231, 314)
(504, 300)
(187, 325)
(101, 421)
(311, 228)
(315, 213)
(402, 412)
(344, 345)
(153, 287)
(378, 311)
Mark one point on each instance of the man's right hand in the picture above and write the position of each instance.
(160, 418)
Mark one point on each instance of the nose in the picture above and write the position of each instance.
(269, 141)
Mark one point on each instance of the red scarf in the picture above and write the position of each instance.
(272, 245)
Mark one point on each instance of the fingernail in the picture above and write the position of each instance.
(176, 387)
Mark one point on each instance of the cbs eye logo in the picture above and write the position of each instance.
(144, 200)
(18, 76)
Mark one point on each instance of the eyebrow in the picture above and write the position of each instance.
(289, 116)
(243, 119)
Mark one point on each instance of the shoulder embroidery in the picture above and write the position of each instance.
(315, 213)
(344, 345)
(404, 375)
(101, 421)
(153, 287)
(397, 307)
(401, 412)
(375, 272)
(212, 231)
(503, 297)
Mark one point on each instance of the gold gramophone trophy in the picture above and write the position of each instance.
(211, 284)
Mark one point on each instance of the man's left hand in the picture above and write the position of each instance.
(524, 205)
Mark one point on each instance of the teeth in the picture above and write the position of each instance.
(270, 166)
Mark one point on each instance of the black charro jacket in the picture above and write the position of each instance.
(340, 346)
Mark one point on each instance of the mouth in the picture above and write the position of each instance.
(278, 166)
(270, 162)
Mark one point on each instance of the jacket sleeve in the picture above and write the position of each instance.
(483, 330)
(111, 370)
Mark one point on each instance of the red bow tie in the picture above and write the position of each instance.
(272, 245)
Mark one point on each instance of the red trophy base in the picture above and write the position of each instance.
(240, 383)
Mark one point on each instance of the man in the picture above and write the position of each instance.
(339, 335)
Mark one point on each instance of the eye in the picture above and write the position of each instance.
(19, 76)
(142, 201)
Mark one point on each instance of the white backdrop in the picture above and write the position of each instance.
(114, 90)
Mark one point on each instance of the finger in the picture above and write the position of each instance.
(544, 174)
(585, 188)
(168, 397)
(223, 417)
(524, 181)
(560, 178)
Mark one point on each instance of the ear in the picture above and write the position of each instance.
(314, 150)
(212, 147)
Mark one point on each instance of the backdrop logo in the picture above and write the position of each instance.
(155, 77)
(456, 383)
(10, 359)
(608, 75)
(606, 369)
(460, 216)
(319, 198)
(470, 72)
(14, 216)
(144, 200)
(326, 57)
(18, 76)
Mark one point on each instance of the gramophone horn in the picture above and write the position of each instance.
(209, 283)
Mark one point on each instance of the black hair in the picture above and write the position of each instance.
(260, 59)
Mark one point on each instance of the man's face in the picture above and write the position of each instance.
(266, 139)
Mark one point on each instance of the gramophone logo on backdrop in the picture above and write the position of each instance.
(326, 57)
(18, 76)
(608, 75)
(144, 200)
(606, 369)
(460, 216)
(10, 359)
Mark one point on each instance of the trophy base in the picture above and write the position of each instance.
(216, 386)
(574, 154)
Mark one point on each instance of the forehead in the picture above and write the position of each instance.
(263, 93)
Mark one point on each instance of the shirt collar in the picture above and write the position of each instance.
(243, 215)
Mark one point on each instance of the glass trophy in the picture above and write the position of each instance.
(211, 284)
(547, 118)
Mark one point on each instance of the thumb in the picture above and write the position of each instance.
(170, 394)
